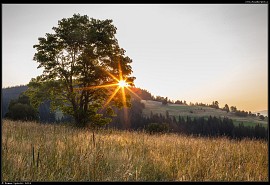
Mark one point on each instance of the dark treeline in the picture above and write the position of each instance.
(210, 127)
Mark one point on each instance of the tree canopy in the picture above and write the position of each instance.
(81, 62)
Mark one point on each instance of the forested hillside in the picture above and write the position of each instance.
(45, 115)
(11, 93)
(155, 114)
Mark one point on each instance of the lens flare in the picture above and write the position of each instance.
(122, 83)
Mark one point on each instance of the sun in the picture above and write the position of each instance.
(122, 83)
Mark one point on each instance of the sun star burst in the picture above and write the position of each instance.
(121, 83)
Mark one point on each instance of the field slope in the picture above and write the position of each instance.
(196, 111)
(35, 152)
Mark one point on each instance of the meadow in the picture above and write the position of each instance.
(46, 152)
(197, 111)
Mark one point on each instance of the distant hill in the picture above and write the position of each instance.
(45, 116)
(10, 93)
(196, 111)
(150, 106)
(13, 93)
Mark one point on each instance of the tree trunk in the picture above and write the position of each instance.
(94, 139)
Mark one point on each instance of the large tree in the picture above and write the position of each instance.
(81, 61)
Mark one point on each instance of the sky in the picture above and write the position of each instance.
(192, 52)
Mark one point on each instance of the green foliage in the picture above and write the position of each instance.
(233, 109)
(262, 117)
(165, 101)
(79, 56)
(20, 109)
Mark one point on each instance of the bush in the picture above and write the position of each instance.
(157, 128)
(21, 109)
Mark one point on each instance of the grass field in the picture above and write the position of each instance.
(36, 152)
(196, 111)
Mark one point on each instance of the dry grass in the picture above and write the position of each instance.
(35, 152)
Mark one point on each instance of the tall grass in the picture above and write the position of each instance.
(35, 152)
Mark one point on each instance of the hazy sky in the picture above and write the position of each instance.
(197, 53)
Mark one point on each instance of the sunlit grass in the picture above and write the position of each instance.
(35, 152)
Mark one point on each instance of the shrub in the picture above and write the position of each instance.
(157, 128)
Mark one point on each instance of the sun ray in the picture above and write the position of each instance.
(116, 79)
(127, 121)
(111, 97)
(122, 84)
(133, 93)
(95, 87)
(120, 72)
(102, 86)
(125, 106)
(123, 96)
